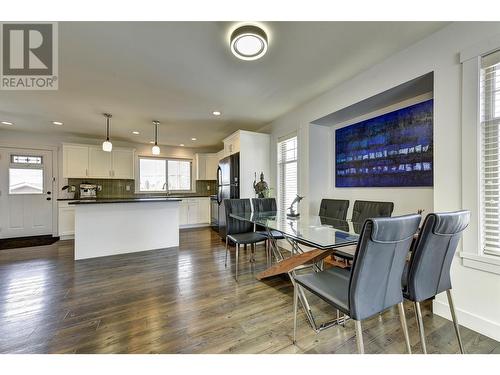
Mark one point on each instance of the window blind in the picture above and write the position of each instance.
(287, 172)
(490, 153)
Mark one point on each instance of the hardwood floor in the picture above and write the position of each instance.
(180, 301)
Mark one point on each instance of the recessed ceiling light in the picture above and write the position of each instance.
(216, 113)
(152, 142)
(194, 139)
(182, 145)
(248, 42)
(57, 123)
(7, 123)
(135, 132)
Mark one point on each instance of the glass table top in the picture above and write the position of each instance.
(312, 230)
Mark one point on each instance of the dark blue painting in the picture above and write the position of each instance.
(394, 149)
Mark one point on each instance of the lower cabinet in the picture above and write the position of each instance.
(66, 220)
(194, 212)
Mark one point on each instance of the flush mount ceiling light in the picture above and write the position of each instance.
(248, 42)
(182, 145)
(7, 123)
(193, 139)
(135, 132)
(107, 145)
(156, 149)
(216, 113)
(59, 123)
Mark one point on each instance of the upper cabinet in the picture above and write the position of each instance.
(232, 144)
(75, 161)
(81, 161)
(206, 166)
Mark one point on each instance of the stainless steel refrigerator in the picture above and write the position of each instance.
(228, 186)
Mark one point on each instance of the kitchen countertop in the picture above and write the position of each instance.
(173, 196)
(123, 200)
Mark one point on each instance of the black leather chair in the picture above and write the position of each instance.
(266, 205)
(238, 231)
(363, 210)
(374, 283)
(334, 208)
(428, 271)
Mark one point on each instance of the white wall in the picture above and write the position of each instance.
(476, 292)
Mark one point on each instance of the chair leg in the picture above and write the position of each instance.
(237, 255)
(455, 320)
(359, 337)
(295, 305)
(420, 323)
(227, 250)
(402, 317)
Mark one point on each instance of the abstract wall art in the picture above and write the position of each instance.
(391, 150)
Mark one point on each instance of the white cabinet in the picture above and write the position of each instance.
(123, 164)
(194, 212)
(81, 161)
(206, 166)
(183, 212)
(232, 144)
(66, 220)
(99, 163)
(75, 161)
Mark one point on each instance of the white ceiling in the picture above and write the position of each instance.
(179, 72)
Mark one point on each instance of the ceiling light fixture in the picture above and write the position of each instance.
(7, 123)
(216, 113)
(248, 42)
(182, 145)
(194, 139)
(107, 145)
(156, 149)
(135, 132)
(59, 123)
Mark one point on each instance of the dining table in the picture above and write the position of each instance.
(311, 239)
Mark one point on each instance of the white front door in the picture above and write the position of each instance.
(26, 192)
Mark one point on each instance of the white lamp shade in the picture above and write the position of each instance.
(155, 150)
(107, 146)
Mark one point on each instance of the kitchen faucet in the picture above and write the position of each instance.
(165, 186)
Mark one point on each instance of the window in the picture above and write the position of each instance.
(155, 172)
(25, 175)
(287, 171)
(490, 153)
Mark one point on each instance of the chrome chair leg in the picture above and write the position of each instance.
(295, 305)
(237, 255)
(420, 323)
(455, 320)
(402, 318)
(359, 337)
(227, 249)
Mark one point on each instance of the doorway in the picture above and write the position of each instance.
(26, 193)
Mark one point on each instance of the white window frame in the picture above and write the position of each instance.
(278, 165)
(138, 179)
(472, 254)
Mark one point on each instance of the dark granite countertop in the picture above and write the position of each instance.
(124, 200)
(172, 196)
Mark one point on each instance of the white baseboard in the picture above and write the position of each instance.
(472, 321)
(187, 226)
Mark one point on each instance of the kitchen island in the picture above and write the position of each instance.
(115, 226)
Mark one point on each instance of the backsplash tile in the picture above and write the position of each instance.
(117, 188)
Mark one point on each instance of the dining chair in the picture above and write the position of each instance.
(428, 271)
(238, 231)
(361, 211)
(374, 283)
(267, 205)
(334, 208)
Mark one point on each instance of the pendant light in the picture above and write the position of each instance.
(156, 149)
(107, 145)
